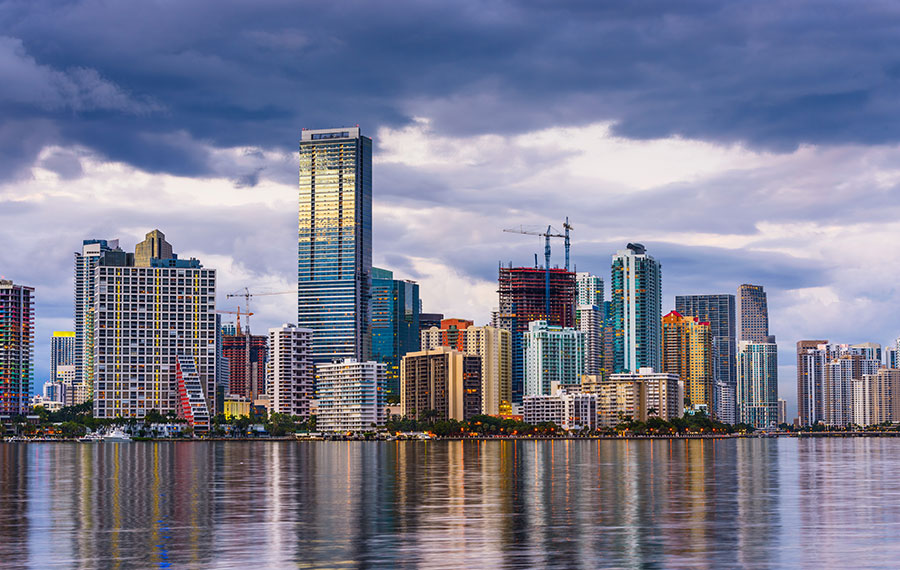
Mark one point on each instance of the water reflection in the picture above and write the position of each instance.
(555, 504)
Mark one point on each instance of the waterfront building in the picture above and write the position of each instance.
(552, 354)
(876, 398)
(350, 396)
(568, 407)
(54, 391)
(335, 243)
(395, 323)
(153, 335)
(719, 311)
(845, 365)
(636, 289)
(726, 401)
(85, 263)
(16, 347)
(492, 345)
(811, 358)
(687, 352)
(544, 408)
(236, 407)
(523, 298)
(782, 411)
(639, 395)
(62, 350)
(290, 375)
(753, 313)
(245, 379)
(757, 389)
(440, 384)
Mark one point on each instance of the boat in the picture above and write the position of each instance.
(93, 437)
(117, 435)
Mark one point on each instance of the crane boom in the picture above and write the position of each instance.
(547, 235)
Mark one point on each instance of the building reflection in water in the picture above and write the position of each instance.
(464, 504)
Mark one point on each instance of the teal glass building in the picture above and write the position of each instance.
(395, 323)
(334, 253)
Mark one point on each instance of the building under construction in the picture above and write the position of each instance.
(234, 348)
(532, 294)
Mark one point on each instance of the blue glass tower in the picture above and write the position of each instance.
(334, 259)
(395, 323)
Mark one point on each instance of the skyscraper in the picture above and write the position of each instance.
(757, 393)
(334, 260)
(589, 289)
(589, 319)
(687, 352)
(154, 337)
(85, 262)
(636, 289)
(811, 359)
(753, 313)
(523, 298)
(395, 323)
(351, 395)
(245, 379)
(62, 351)
(16, 347)
(719, 312)
(552, 354)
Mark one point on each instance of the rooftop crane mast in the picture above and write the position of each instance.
(247, 295)
(547, 235)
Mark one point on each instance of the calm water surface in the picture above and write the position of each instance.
(828, 503)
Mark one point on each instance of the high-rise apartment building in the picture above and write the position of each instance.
(782, 411)
(524, 297)
(589, 321)
(757, 389)
(85, 262)
(753, 313)
(335, 243)
(876, 398)
(441, 384)
(154, 336)
(719, 312)
(395, 323)
(589, 289)
(636, 289)
(641, 395)
(687, 352)
(491, 344)
(290, 376)
(16, 347)
(62, 351)
(350, 396)
(246, 364)
(552, 354)
(811, 358)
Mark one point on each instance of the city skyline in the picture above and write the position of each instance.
(787, 188)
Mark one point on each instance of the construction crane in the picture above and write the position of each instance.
(238, 313)
(547, 235)
(247, 295)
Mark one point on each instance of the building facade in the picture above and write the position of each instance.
(636, 290)
(62, 351)
(552, 354)
(719, 312)
(440, 384)
(290, 375)
(524, 297)
(811, 358)
(334, 261)
(149, 323)
(350, 396)
(753, 313)
(589, 320)
(246, 357)
(492, 345)
(687, 352)
(757, 393)
(85, 262)
(394, 309)
(16, 347)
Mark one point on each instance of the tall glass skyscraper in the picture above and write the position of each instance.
(334, 260)
(395, 323)
(636, 289)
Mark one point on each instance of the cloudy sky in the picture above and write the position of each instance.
(740, 142)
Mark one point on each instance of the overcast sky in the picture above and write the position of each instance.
(742, 142)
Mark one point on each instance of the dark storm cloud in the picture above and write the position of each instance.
(149, 83)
